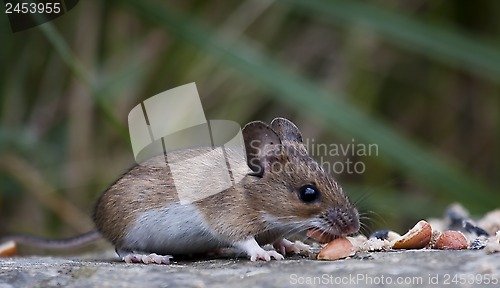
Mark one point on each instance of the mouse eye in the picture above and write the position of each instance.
(308, 193)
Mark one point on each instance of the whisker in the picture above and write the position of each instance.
(363, 197)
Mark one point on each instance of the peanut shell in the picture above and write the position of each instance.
(337, 249)
(418, 237)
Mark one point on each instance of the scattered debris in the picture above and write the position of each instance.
(456, 231)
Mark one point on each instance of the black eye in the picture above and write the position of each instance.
(308, 193)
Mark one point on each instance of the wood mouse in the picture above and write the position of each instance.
(286, 192)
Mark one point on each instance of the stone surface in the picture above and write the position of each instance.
(420, 268)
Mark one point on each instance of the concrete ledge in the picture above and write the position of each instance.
(419, 268)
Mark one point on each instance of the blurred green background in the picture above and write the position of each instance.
(420, 79)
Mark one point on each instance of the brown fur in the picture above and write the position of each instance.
(144, 187)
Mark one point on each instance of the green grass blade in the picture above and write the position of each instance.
(75, 66)
(438, 43)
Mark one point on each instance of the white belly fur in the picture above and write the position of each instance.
(175, 229)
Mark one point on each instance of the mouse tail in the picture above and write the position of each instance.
(72, 242)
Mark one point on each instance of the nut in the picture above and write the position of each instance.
(8, 249)
(337, 249)
(451, 240)
(418, 237)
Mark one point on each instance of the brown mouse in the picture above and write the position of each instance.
(285, 192)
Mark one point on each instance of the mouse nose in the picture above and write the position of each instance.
(345, 220)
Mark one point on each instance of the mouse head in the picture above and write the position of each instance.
(290, 187)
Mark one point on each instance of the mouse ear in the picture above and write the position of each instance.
(259, 138)
(286, 130)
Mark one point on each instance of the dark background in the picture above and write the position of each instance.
(420, 79)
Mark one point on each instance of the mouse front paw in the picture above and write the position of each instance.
(285, 246)
(255, 252)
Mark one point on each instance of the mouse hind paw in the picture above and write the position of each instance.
(153, 258)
